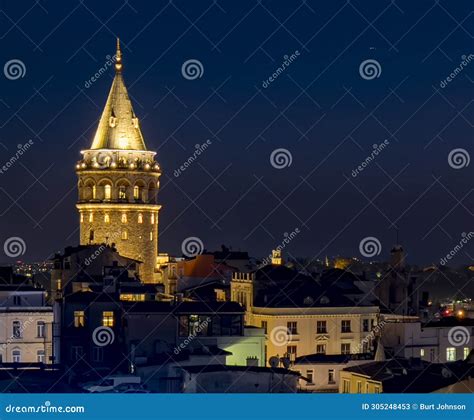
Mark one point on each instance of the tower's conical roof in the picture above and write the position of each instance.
(118, 126)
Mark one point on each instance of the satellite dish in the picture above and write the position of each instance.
(274, 361)
(286, 362)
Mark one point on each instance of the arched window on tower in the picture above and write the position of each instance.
(124, 235)
(152, 219)
(124, 217)
(107, 192)
(151, 236)
(91, 217)
(136, 192)
(140, 218)
(122, 192)
(82, 217)
(91, 236)
(106, 218)
(94, 192)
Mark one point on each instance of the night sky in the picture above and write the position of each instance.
(319, 108)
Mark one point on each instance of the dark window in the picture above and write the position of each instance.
(265, 326)
(365, 325)
(16, 329)
(321, 327)
(292, 327)
(345, 326)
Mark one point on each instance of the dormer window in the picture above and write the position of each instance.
(112, 121)
(135, 122)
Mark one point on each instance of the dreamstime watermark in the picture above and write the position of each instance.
(288, 237)
(280, 336)
(281, 158)
(21, 148)
(192, 69)
(192, 246)
(466, 59)
(98, 74)
(89, 260)
(287, 61)
(459, 158)
(199, 149)
(378, 148)
(103, 336)
(14, 247)
(185, 343)
(368, 339)
(459, 336)
(14, 69)
(370, 246)
(370, 69)
(46, 407)
(465, 238)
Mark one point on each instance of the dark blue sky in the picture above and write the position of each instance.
(320, 109)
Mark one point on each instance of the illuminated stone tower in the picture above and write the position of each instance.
(118, 183)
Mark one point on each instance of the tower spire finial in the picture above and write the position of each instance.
(118, 57)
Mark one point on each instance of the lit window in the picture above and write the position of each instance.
(124, 235)
(91, 217)
(130, 297)
(152, 219)
(422, 352)
(16, 356)
(107, 192)
(151, 236)
(106, 218)
(94, 192)
(16, 327)
(140, 218)
(40, 329)
(108, 319)
(79, 319)
(451, 354)
(124, 217)
(136, 192)
(82, 217)
(466, 352)
(40, 356)
(122, 192)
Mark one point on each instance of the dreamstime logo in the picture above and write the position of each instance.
(378, 148)
(370, 247)
(465, 238)
(281, 158)
(458, 336)
(21, 149)
(280, 336)
(101, 71)
(370, 69)
(200, 148)
(287, 61)
(466, 59)
(459, 158)
(103, 336)
(14, 69)
(14, 247)
(192, 246)
(192, 69)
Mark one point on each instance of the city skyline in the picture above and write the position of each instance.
(231, 194)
